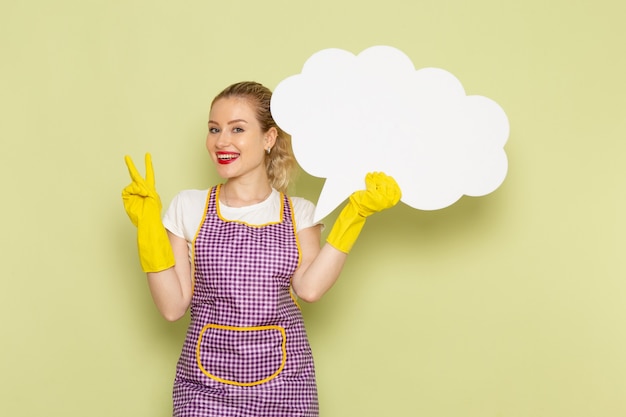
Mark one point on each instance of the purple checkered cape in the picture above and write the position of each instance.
(246, 352)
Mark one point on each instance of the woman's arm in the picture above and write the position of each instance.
(171, 288)
(319, 267)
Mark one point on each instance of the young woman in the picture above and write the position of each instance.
(239, 255)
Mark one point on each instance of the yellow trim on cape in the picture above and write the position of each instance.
(243, 329)
(219, 212)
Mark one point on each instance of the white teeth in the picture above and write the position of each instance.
(227, 157)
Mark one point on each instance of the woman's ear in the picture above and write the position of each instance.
(270, 137)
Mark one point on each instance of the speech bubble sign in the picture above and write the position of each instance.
(349, 115)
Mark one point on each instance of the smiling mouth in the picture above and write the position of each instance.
(226, 157)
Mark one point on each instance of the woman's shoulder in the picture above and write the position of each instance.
(300, 203)
(304, 211)
(185, 212)
(191, 196)
(186, 201)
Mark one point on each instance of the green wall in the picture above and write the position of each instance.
(509, 305)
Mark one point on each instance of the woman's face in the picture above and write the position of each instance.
(235, 140)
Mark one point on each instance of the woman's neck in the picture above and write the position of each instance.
(235, 194)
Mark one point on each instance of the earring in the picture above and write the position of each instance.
(268, 150)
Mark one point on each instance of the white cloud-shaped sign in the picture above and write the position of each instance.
(349, 115)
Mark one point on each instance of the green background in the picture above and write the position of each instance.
(508, 305)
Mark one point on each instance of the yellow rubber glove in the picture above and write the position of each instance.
(381, 192)
(143, 206)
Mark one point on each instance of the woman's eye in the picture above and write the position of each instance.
(213, 130)
(238, 130)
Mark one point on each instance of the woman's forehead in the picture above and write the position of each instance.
(231, 108)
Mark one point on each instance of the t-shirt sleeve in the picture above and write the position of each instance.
(304, 211)
(173, 218)
(185, 212)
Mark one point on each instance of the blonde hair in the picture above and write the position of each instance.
(280, 163)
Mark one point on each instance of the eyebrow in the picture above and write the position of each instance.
(231, 122)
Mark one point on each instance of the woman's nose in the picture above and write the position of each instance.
(222, 140)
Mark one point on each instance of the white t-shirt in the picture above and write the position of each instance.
(187, 209)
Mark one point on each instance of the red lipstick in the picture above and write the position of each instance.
(225, 158)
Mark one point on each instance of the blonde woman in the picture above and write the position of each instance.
(238, 256)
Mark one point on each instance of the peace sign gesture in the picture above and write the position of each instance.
(143, 206)
(140, 196)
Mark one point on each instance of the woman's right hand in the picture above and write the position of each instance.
(140, 197)
(143, 206)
